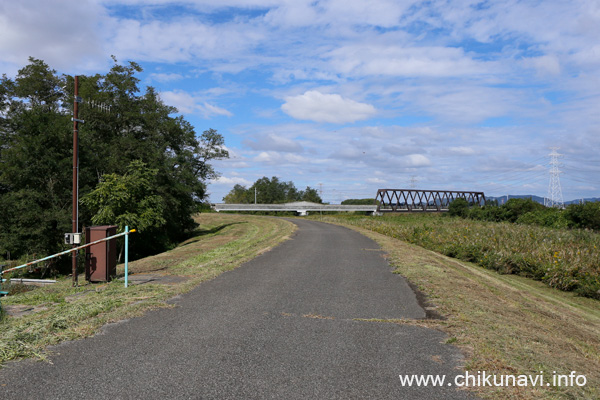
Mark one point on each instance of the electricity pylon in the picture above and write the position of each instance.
(413, 182)
(555, 197)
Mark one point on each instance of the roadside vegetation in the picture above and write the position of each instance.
(60, 312)
(506, 324)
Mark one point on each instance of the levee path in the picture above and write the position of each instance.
(303, 321)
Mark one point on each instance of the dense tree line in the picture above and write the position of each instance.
(271, 191)
(139, 164)
(360, 202)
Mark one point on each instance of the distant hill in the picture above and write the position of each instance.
(588, 200)
(503, 199)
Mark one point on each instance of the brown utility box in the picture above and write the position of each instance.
(100, 258)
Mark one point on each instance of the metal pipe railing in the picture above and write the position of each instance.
(62, 253)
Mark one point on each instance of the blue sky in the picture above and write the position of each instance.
(350, 96)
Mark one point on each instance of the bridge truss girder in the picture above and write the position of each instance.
(409, 200)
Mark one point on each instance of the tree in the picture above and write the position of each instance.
(368, 202)
(584, 215)
(36, 155)
(238, 195)
(310, 194)
(35, 162)
(142, 127)
(514, 208)
(458, 207)
(271, 191)
(128, 200)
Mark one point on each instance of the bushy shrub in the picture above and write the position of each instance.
(458, 208)
(514, 208)
(584, 215)
(487, 213)
(550, 217)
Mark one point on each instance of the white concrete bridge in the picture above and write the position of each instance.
(300, 207)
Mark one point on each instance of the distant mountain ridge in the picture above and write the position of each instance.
(503, 199)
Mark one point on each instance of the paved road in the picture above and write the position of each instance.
(282, 326)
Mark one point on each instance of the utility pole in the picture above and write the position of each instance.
(75, 236)
(254, 194)
(75, 227)
(555, 197)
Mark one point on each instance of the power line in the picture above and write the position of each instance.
(527, 167)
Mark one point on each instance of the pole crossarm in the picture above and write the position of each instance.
(62, 253)
(412, 200)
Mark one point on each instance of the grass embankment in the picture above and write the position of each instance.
(221, 243)
(506, 324)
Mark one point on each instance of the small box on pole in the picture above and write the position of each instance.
(73, 238)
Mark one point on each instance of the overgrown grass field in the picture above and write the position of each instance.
(61, 312)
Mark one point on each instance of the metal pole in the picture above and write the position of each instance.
(75, 227)
(126, 253)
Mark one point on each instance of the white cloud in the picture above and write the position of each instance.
(466, 104)
(346, 152)
(274, 142)
(279, 159)
(544, 65)
(236, 180)
(162, 77)
(400, 150)
(59, 32)
(300, 13)
(333, 108)
(415, 161)
(227, 46)
(188, 104)
(461, 150)
(393, 60)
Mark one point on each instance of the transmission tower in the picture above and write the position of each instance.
(555, 197)
(413, 182)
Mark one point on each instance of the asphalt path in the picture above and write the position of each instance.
(289, 324)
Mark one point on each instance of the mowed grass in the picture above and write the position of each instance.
(222, 242)
(506, 324)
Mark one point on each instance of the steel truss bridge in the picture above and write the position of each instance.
(411, 200)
